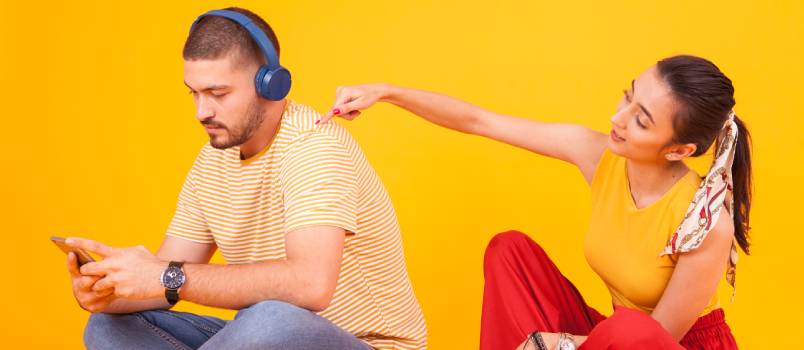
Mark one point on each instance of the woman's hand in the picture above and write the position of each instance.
(550, 340)
(350, 100)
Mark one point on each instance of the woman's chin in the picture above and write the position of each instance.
(617, 148)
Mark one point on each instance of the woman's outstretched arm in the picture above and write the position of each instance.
(572, 143)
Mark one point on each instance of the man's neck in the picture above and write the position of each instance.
(265, 134)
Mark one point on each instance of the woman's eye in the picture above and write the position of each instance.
(639, 122)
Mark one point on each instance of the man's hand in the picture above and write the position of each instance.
(132, 273)
(89, 299)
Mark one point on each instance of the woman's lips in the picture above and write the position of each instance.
(616, 137)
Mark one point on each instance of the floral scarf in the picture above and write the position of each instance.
(714, 193)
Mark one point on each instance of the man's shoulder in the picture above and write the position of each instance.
(300, 118)
(300, 122)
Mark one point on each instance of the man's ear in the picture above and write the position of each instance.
(678, 152)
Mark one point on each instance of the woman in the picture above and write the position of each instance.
(656, 237)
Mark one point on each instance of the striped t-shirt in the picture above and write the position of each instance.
(311, 175)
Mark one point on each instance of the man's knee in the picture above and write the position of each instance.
(273, 311)
(276, 322)
(100, 329)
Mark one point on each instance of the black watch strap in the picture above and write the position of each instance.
(172, 295)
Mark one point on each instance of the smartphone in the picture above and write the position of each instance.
(82, 255)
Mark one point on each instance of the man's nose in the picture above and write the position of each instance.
(203, 110)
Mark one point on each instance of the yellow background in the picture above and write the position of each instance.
(98, 134)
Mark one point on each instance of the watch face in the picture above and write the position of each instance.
(567, 346)
(173, 278)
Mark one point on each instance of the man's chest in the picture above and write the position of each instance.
(244, 211)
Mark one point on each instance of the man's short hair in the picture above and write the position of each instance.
(214, 37)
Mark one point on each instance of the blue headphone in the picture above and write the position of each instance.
(272, 80)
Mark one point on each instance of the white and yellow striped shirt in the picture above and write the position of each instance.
(311, 175)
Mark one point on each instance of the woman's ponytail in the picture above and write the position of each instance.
(742, 181)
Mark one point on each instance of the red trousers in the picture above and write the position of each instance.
(525, 292)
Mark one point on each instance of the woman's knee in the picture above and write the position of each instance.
(505, 244)
(631, 329)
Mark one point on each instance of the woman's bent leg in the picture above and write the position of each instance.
(525, 292)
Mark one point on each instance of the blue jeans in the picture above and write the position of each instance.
(265, 325)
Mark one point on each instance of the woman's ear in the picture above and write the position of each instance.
(678, 152)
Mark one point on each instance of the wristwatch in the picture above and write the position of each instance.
(172, 279)
(566, 342)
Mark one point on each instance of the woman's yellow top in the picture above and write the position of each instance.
(623, 242)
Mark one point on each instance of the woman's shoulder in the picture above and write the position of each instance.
(688, 186)
(608, 166)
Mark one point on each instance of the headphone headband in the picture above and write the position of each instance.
(256, 33)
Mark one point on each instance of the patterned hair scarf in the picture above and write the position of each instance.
(714, 193)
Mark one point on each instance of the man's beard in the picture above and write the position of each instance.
(255, 114)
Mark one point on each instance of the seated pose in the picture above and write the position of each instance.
(313, 250)
(657, 237)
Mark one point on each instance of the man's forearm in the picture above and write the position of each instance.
(307, 277)
(235, 287)
(239, 286)
(124, 306)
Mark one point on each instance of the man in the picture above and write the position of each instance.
(313, 248)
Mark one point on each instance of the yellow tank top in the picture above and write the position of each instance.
(623, 242)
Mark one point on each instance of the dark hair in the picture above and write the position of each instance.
(705, 98)
(214, 37)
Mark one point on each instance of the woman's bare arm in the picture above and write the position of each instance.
(695, 280)
(572, 143)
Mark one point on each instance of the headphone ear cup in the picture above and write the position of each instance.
(274, 84)
(262, 88)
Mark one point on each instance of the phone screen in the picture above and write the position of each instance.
(82, 255)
